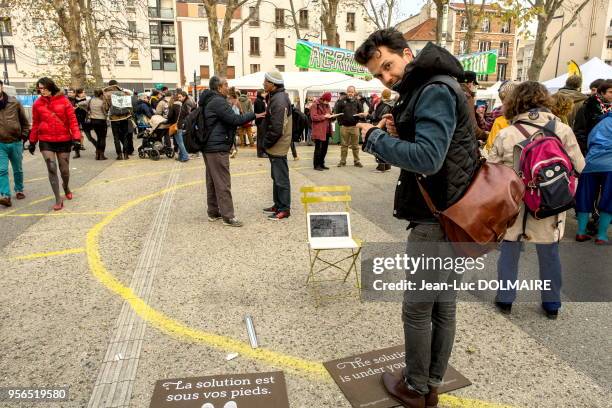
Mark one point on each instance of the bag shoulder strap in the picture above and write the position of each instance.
(427, 198)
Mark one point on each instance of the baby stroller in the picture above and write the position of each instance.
(152, 132)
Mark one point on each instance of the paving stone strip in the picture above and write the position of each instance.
(113, 387)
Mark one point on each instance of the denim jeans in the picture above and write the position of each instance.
(549, 265)
(13, 153)
(429, 326)
(281, 189)
(183, 155)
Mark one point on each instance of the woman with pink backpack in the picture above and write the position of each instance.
(546, 154)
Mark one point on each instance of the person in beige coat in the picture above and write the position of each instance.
(530, 103)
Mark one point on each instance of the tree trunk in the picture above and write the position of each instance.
(70, 24)
(539, 51)
(93, 42)
(296, 22)
(328, 18)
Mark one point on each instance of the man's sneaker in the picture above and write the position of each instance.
(213, 218)
(279, 215)
(270, 210)
(234, 222)
(325, 167)
(5, 201)
(358, 164)
(341, 164)
(20, 195)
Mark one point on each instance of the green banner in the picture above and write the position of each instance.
(324, 58)
(483, 63)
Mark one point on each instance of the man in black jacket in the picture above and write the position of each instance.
(352, 110)
(430, 136)
(221, 123)
(260, 107)
(277, 134)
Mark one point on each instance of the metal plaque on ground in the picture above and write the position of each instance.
(256, 390)
(359, 377)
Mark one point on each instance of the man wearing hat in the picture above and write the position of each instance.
(277, 132)
(469, 83)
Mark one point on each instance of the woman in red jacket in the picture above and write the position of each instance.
(55, 127)
(320, 113)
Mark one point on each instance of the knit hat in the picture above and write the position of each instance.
(326, 96)
(275, 77)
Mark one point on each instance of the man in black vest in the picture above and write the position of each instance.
(430, 137)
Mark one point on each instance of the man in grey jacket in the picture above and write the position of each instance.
(277, 129)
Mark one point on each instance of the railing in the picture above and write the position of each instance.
(155, 12)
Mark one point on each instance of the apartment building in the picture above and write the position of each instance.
(266, 42)
(493, 32)
(589, 36)
(171, 41)
(524, 54)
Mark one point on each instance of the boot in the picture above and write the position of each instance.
(126, 156)
(102, 156)
(77, 154)
(432, 399)
(97, 155)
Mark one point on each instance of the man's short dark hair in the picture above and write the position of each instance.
(604, 86)
(164, 88)
(389, 37)
(573, 82)
(215, 83)
(595, 84)
(112, 82)
(185, 94)
(154, 92)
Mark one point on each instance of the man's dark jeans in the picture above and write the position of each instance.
(429, 324)
(120, 136)
(281, 189)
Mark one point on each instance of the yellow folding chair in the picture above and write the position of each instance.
(331, 195)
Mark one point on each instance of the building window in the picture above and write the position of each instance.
(255, 68)
(254, 50)
(167, 34)
(156, 63)
(203, 43)
(169, 59)
(303, 18)
(230, 72)
(503, 49)
(350, 45)
(5, 26)
(303, 69)
(609, 43)
(484, 78)
(230, 45)
(350, 21)
(484, 46)
(462, 47)
(202, 11)
(505, 28)
(486, 25)
(254, 16)
(279, 17)
(464, 24)
(519, 74)
(280, 68)
(7, 52)
(501, 72)
(280, 47)
(204, 71)
(134, 58)
(132, 29)
(119, 57)
(154, 33)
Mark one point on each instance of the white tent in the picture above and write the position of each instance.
(300, 83)
(591, 70)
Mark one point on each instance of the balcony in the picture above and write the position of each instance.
(162, 13)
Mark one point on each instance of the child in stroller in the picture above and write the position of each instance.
(154, 137)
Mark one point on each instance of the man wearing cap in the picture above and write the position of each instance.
(277, 132)
(352, 110)
(320, 114)
(469, 83)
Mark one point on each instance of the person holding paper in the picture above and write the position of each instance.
(352, 110)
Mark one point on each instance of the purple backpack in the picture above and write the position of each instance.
(546, 170)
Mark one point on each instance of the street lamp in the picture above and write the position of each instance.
(562, 17)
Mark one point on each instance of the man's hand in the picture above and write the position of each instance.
(327, 116)
(365, 127)
(389, 123)
(260, 115)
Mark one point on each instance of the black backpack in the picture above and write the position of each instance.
(195, 132)
(300, 122)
